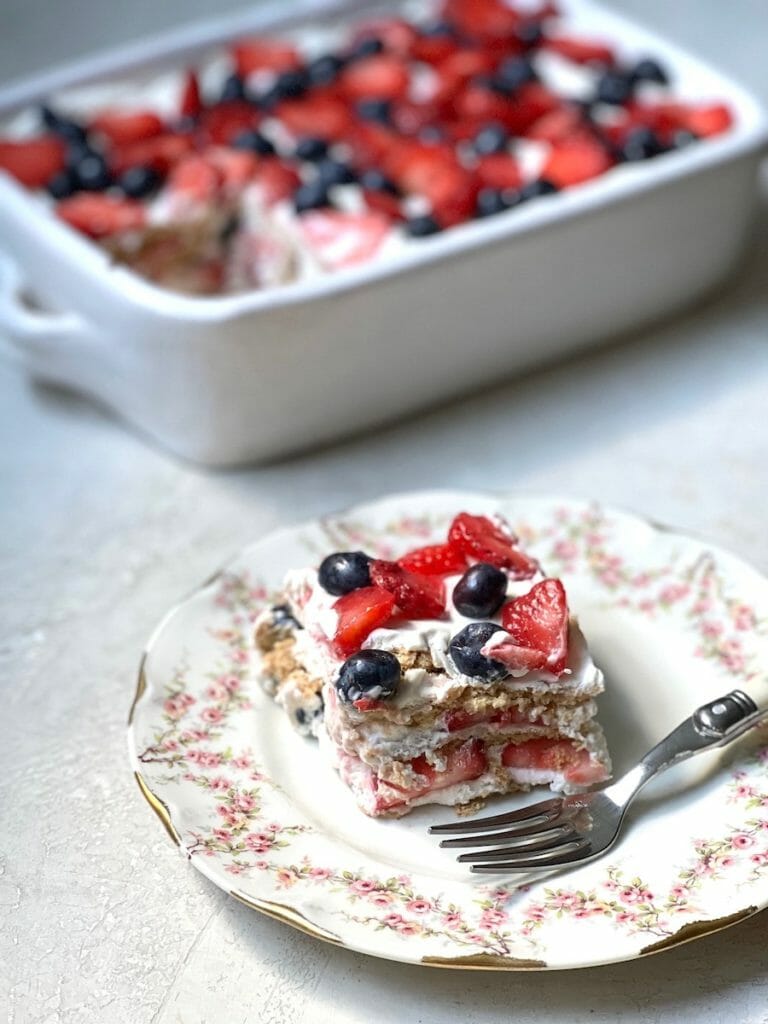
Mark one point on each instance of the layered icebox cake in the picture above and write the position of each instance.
(449, 675)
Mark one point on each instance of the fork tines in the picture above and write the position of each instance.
(535, 814)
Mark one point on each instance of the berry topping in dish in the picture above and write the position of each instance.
(439, 677)
(394, 129)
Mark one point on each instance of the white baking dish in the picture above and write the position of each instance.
(247, 377)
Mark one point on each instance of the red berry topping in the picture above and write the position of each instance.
(276, 181)
(570, 163)
(360, 612)
(222, 123)
(121, 127)
(264, 55)
(196, 177)
(318, 114)
(705, 121)
(160, 153)
(434, 560)
(33, 162)
(480, 538)
(191, 102)
(417, 596)
(382, 76)
(499, 171)
(537, 623)
(98, 215)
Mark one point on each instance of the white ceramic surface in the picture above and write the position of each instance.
(672, 621)
(236, 379)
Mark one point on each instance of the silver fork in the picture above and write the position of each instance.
(573, 829)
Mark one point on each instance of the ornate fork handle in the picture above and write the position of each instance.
(712, 725)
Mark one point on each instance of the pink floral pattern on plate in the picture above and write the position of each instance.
(194, 742)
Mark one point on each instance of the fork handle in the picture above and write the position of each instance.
(712, 725)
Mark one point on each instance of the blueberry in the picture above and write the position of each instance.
(535, 189)
(465, 649)
(333, 172)
(369, 46)
(640, 144)
(69, 130)
(376, 181)
(492, 138)
(431, 133)
(283, 618)
(438, 30)
(480, 592)
(421, 226)
(255, 142)
(512, 73)
(78, 150)
(311, 149)
(324, 70)
(311, 196)
(374, 110)
(92, 173)
(289, 85)
(490, 201)
(233, 89)
(649, 70)
(138, 182)
(370, 673)
(530, 34)
(62, 184)
(614, 87)
(683, 138)
(344, 571)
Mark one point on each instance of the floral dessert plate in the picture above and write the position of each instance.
(672, 621)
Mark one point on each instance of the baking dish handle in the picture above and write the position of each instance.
(26, 331)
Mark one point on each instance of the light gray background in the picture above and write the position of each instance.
(100, 921)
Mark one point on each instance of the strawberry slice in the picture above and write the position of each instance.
(368, 704)
(160, 153)
(499, 171)
(432, 49)
(222, 123)
(237, 167)
(252, 55)
(383, 76)
(558, 125)
(344, 239)
(538, 622)
(98, 215)
(33, 162)
(275, 180)
(531, 102)
(318, 114)
(580, 51)
(463, 764)
(383, 202)
(196, 177)
(573, 162)
(121, 127)
(360, 612)
(480, 538)
(484, 19)
(708, 120)
(417, 596)
(456, 70)
(556, 756)
(459, 719)
(434, 560)
(191, 102)
(453, 196)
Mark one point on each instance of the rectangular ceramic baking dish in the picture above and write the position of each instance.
(249, 377)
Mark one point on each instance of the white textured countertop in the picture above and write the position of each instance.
(100, 920)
